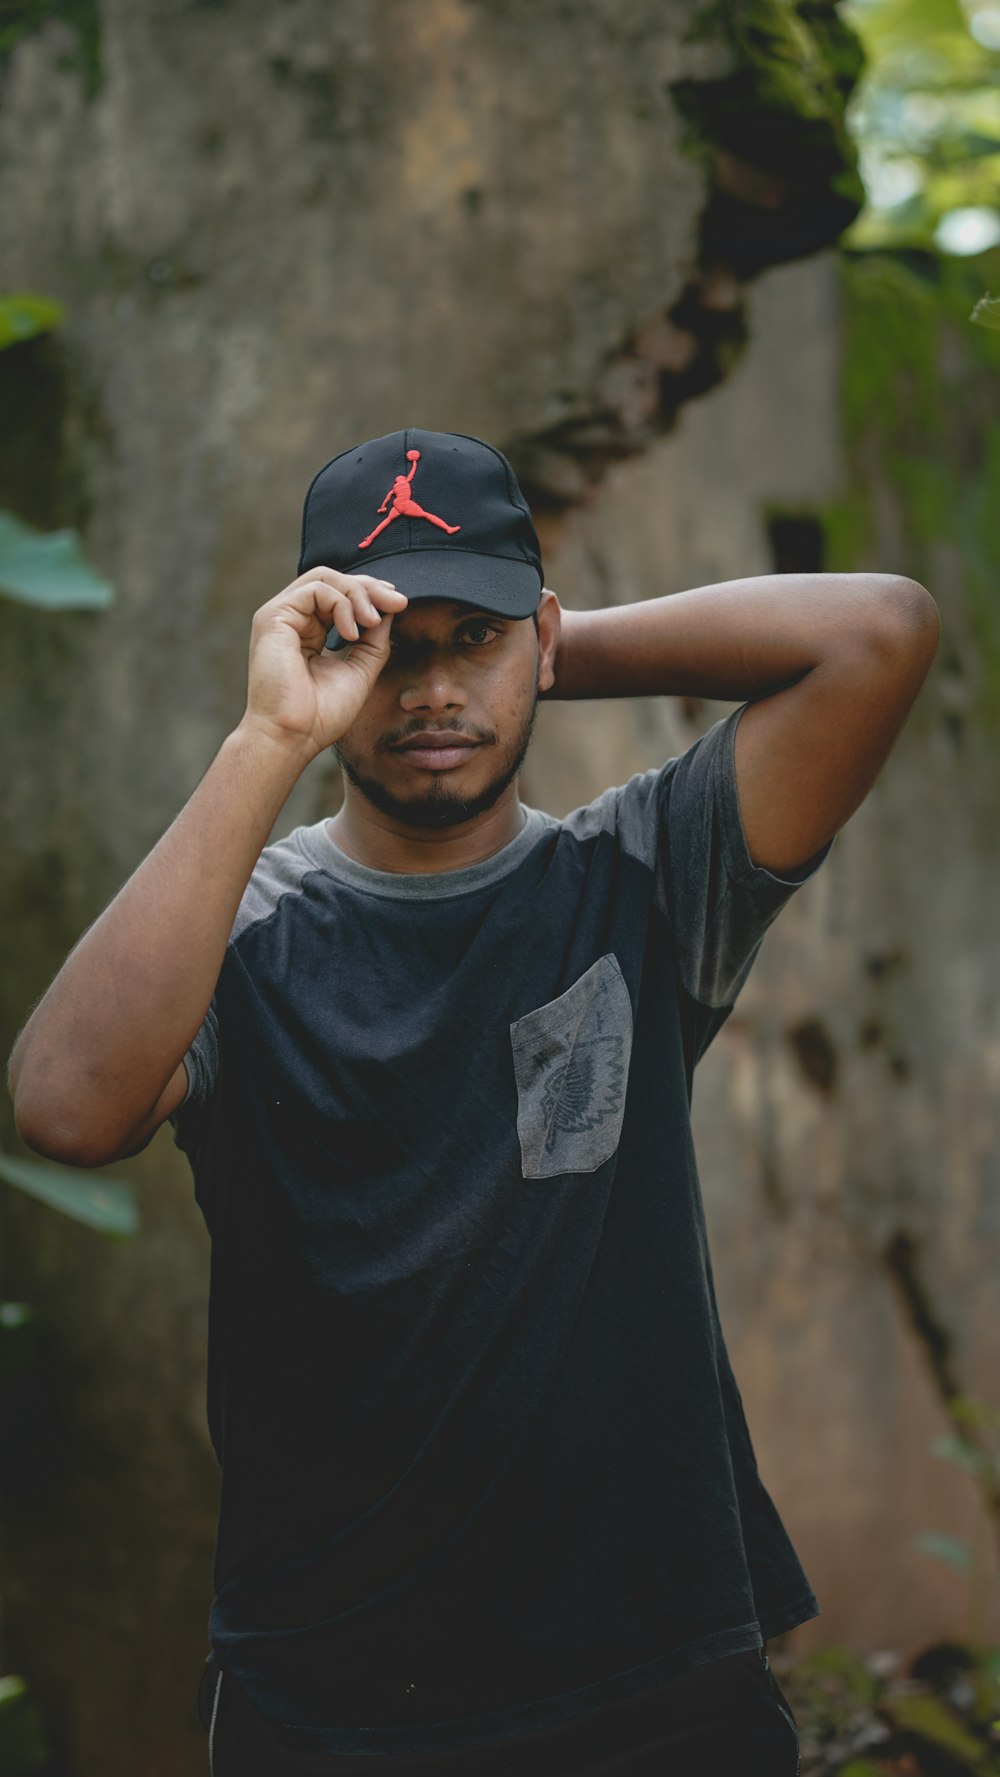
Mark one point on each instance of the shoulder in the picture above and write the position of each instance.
(280, 870)
(636, 811)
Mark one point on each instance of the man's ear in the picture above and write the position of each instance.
(549, 624)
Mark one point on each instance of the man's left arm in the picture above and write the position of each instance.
(830, 663)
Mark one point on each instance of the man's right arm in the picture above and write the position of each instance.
(100, 1063)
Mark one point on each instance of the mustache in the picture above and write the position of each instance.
(399, 738)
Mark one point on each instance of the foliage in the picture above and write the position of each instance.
(864, 1717)
(18, 18)
(987, 312)
(105, 1204)
(38, 568)
(918, 413)
(926, 117)
(48, 569)
(24, 316)
(976, 1449)
(772, 131)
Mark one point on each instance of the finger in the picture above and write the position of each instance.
(383, 591)
(312, 604)
(304, 607)
(370, 599)
(336, 578)
(363, 598)
(345, 620)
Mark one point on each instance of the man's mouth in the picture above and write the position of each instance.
(436, 750)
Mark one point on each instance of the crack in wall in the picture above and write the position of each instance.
(901, 1259)
(783, 183)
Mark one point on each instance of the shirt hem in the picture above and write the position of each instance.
(555, 1711)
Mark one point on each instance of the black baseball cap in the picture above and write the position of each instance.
(440, 514)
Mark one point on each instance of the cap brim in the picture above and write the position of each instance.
(495, 583)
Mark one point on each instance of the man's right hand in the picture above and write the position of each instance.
(100, 1061)
(301, 693)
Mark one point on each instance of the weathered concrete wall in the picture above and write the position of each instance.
(277, 231)
(846, 1117)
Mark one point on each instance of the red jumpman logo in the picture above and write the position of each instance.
(405, 507)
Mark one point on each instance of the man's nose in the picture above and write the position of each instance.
(433, 685)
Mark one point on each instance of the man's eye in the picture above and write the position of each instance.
(464, 633)
(479, 623)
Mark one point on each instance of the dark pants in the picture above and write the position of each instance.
(725, 1718)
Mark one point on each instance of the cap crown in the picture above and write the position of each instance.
(465, 495)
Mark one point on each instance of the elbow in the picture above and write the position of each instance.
(905, 628)
(908, 616)
(55, 1137)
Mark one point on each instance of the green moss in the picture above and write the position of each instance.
(795, 70)
(793, 61)
(19, 17)
(781, 108)
(920, 416)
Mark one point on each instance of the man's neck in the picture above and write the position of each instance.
(376, 840)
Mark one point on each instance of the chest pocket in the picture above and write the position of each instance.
(571, 1061)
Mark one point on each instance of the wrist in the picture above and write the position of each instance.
(271, 749)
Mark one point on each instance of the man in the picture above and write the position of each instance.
(489, 1501)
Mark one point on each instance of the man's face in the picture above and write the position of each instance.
(453, 669)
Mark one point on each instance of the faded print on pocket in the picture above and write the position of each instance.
(571, 1061)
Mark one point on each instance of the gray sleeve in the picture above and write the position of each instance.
(278, 871)
(719, 902)
(201, 1064)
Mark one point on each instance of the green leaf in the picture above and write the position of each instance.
(105, 1204)
(935, 1724)
(947, 1548)
(22, 317)
(987, 312)
(48, 569)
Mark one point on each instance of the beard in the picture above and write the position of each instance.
(438, 805)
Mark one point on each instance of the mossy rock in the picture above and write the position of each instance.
(782, 109)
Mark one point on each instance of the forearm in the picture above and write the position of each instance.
(737, 640)
(101, 1045)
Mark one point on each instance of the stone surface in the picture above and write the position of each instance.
(277, 231)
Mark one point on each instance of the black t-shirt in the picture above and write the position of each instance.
(485, 1465)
